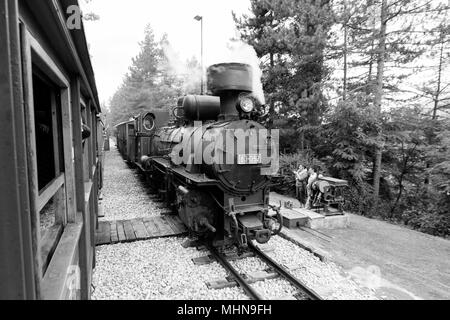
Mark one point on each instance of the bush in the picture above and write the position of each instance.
(423, 212)
(428, 221)
(359, 199)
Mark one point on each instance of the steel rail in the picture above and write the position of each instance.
(285, 274)
(237, 277)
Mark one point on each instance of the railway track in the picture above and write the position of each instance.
(303, 292)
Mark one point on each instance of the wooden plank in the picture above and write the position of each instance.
(88, 238)
(181, 228)
(178, 220)
(139, 229)
(98, 232)
(251, 278)
(174, 225)
(57, 277)
(166, 230)
(87, 190)
(49, 192)
(121, 231)
(46, 63)
(66, 109)
(59, 199)
(235, 256)
(152, 228)
(108, 231)
(221, 284)
(88, 122)
(129, 232)
(104, 236)
(101, 214)
(168, 226)
(31, 155)
(134, 230)
(114, 232)
(261, 276)
(14, 194)
(49, 242)
(205, 260)
(171, 223)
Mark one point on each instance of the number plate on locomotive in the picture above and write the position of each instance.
(249, 159)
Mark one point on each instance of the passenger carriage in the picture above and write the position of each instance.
(51, 176)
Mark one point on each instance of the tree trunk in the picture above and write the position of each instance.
(400, 185)
(344, 95)
(435, 108)
(378, 100)
(399, 195)
(302, 141)
(372, 48)
(438, 91)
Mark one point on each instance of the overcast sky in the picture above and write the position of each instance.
(113, 39)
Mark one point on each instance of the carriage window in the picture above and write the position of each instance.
(50, 160)
(85, 146)
(48, 131)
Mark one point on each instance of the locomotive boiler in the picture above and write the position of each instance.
(212, 165)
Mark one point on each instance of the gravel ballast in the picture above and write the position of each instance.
(326, 278)
(158, 269)
(162, 269)
(124, 196)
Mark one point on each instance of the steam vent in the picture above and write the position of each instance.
(230, 76)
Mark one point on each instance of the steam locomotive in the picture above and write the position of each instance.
(210, 161)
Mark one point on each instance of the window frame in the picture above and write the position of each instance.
(61, 188)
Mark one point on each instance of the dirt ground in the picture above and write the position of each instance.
(396, 262)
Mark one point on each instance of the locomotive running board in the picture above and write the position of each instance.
(194, 178)
(189, 178)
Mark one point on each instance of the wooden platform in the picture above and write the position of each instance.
(111, 232)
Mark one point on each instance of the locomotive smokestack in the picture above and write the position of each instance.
(228, 81)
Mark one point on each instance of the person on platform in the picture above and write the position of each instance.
(301, 176)
(314, 174)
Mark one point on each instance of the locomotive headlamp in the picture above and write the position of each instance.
(246, 104)
(149, 122)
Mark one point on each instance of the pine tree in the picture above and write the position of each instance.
(381, 38)
(290, 38)
(150, 82)
(262, 31)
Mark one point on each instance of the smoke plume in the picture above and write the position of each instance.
(237, 51)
